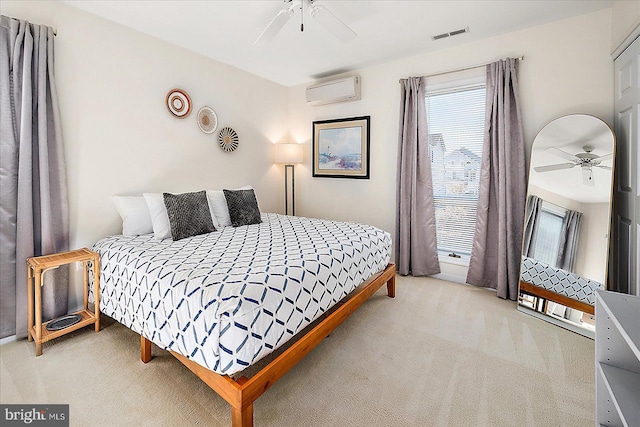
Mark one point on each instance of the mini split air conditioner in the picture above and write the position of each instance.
(332, 91)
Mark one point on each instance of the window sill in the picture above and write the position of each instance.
(446, 259)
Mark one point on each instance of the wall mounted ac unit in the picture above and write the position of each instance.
(332, 91)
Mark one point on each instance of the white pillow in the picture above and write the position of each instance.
(135, 215)
(218, 205)
(160, 218)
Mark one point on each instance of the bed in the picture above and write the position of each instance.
(222, 301)
(554, 284)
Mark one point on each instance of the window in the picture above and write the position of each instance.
(455, 117)
(549, 230)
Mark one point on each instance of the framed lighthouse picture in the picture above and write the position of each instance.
(341, 148)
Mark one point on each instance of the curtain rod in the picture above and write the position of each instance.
(520, 58)
(55, 32)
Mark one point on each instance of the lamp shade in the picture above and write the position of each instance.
(288, 153)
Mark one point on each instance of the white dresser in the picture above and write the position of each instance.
(617, 359)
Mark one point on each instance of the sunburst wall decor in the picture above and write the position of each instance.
(228, 139)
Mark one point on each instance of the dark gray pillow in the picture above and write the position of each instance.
(189, 214)
(243, 207)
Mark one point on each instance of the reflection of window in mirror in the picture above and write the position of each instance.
(547, 243)
(555, 236)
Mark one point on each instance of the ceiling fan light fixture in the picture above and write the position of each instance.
(587, 175)
(586, 160)
(320, 13)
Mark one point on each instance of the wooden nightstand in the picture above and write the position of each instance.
(36, 267)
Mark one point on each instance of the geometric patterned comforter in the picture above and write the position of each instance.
(559, 281)
(228, 298)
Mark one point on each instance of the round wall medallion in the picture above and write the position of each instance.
(228, 139)
(179, 103)
(207, 120)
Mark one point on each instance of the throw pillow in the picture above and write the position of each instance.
(188, 214)
(243, 207)
(219, 207)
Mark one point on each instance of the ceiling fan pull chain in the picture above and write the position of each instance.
(301, 16)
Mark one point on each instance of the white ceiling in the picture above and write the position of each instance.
(387, 30)
(570, 134)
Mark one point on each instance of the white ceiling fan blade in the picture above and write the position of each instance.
(331, 23)
(603, 167)
(587, 177)
(605, 157)
(557, 167)
(558, 152)
(275, 26)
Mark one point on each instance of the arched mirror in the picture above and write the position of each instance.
(566, 231)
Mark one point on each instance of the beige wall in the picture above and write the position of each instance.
(567, 68)
(118, 135)
(625, 19)
(593, 244)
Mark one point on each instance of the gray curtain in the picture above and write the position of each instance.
(495, 254)
(534, 205)
(569, 240)
(34, 205)
(416, 246)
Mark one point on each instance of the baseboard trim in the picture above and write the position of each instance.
(7, 340)
(450, 278)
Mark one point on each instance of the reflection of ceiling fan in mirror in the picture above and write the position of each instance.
(321, 14)
(586, 160)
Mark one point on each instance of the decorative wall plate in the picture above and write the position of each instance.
(63, 322)
(207, 120)
(179, 103)
(228, 139)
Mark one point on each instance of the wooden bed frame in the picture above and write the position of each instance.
(241, 393)
(537, 291)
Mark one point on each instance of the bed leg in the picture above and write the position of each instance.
(242, 418)
(145, 349)
(391, 287)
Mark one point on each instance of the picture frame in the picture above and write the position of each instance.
(340, 148)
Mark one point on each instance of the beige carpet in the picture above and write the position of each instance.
(439, 354)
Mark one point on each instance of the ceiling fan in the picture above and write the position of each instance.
(586, 160)
(320, 13)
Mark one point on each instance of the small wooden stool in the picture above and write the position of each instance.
(36, 267)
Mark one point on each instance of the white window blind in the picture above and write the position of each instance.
(455, 119)
(549, 230)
